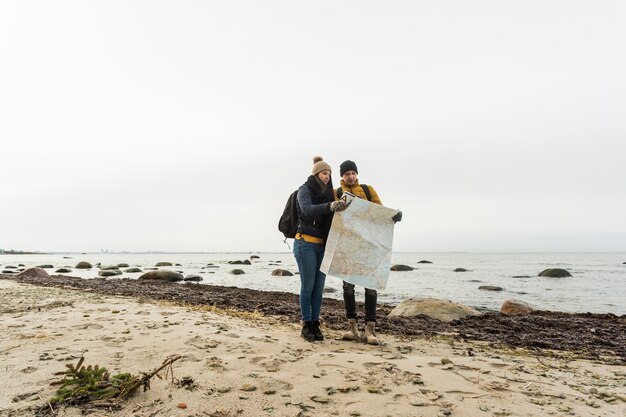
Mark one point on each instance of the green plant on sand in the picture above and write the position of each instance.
(94, 385)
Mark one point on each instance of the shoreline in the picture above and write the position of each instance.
(598, 337)
(248, 364)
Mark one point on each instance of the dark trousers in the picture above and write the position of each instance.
(350, 302)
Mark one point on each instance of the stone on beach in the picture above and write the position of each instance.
(46, 266)
(162, 275)
(254, 257)
(63, 270)
(83, 265)
(163, 264)
(401, 268)
(281, 273)
(461, 270)
(237, 271)
(34, 273)
(555, 273)
(512, 307)
(123, 265)
(443, 310)
(131, 270)
(424, 262)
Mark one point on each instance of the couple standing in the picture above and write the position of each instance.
(316, 203)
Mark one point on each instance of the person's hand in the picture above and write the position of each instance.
(397, 217)
(336, 206)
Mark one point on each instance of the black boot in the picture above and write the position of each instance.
(315, 328)
(307, 332)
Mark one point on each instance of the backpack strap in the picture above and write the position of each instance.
(366, 190)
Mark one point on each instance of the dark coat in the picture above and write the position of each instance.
(313, 207)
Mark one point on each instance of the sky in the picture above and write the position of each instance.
(185, 125)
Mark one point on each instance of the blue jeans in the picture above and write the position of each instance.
(309, 258)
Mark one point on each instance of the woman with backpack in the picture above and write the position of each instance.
(315, 206)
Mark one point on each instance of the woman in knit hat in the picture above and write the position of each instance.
(316, 205)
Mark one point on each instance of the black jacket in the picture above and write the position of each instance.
(313, 207)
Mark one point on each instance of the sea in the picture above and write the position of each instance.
(597, 285)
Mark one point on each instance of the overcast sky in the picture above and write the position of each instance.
(185, 125)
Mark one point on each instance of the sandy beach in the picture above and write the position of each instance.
(249, 364)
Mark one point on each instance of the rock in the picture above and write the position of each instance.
(34, 273)
(244, 262)
(424, 262)
(521, 276)
(83, 265)
(122, 265)
(8, 271)
(63, 271)
(490, 288)
(109, 272)
(132, 270)
(401, 268)
(163, 264)
(162, 275)
(329, 290)
(281, 273)
(192, 277)
(461, 270)
(46, 266)
(177, 265)
(254, 257)
(512, 307)
(237, 271)
(10, 267)
(109, 268)
(555, 273)
(443, 310)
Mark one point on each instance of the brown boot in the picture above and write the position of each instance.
(370, 335)
(353, 331)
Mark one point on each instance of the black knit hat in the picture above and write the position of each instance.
(347, 166)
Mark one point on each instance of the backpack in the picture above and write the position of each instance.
(365, 188)
(288, 223)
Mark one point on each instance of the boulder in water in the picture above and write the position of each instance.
(424, 262)
(461, 270)
(193, 277)
(281, 273)
(254, 257)
(490, 288)
(122, 265)
(237, 271)
(162, 275)
(443, 310)
(83, 265)
(63, 270)
(555, 273)
(109, 272)
(401, 268)
(133, 270)
(34, 273)
(46, 266)
(512, 307)
(163, 264)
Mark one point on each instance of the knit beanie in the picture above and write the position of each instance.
(347, 166)
(319, 165)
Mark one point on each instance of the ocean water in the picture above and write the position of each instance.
(598, 284)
